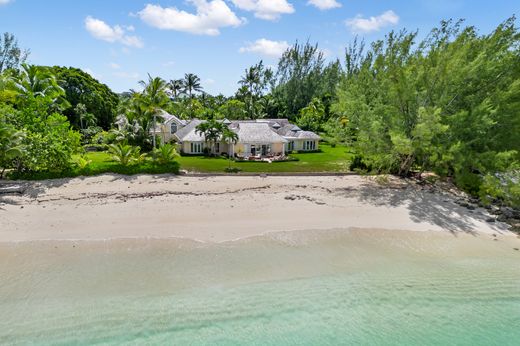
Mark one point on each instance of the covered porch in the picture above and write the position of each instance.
(259, 151)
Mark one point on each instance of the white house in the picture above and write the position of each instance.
(262, 137)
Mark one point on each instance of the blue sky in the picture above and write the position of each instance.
(120, 41)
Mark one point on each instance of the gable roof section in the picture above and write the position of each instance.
(189, 132)
(291, 131)
(170, 117)
(253, 132)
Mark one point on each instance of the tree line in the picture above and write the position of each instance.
(449, 103)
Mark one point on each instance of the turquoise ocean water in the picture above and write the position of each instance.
(306, 288)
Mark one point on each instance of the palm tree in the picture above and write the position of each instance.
(176, 86)
(212, 131)
(230, 137)
(191, 84)
(155, 98)
(85, 119)
(251, 80)
(166, 153)
(35, 81)
(124, 154)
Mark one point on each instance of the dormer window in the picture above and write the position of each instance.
(173, 128)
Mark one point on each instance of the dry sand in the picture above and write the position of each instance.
(224, 208)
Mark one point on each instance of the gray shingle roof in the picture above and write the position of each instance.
(253, 132)
(288, 131)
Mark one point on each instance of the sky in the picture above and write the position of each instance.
(119, 42)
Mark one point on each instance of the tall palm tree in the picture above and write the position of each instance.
(155, 98)
(191, 84)
(252, 79)
(176, 86)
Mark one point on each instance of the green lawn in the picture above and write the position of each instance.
(328, 160)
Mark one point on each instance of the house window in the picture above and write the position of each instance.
(196, 148)
(290, 146)
(173, 128)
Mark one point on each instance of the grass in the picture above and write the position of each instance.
(329, 159)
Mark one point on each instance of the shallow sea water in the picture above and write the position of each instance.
(343, 287)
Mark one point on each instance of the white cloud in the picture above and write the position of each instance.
(209, 18)
(324, 4)
(4, 2)
(265, 9)
(272, 49)
(360, 24)
(102, 31)
(114, 66)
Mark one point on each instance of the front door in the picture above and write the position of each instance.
(253, 150)
(264, 150)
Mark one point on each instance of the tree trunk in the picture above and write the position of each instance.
(153, 132)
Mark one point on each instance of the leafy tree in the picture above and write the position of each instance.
(80, 87)
(312, 116)
(448, 103)
(11, 55)
(10, 145)
(302, 75)
(232, 110)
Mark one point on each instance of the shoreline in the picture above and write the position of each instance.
(222, 208)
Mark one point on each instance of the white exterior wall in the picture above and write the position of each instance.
(299, 144)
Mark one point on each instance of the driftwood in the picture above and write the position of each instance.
(9, 189)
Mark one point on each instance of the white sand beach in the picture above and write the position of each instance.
(223, 208)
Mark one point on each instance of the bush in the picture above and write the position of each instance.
(125, 154)
(232, 170)
(358, 163)
(89, 133)
(104, 137)
(165, 154)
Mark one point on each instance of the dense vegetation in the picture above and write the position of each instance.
(449, 103)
